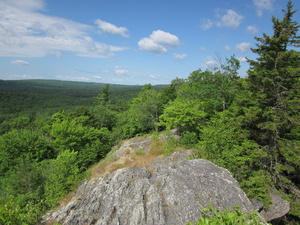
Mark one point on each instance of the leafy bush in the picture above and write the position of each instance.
(16, 144)
(227, 217)
(11, 213)
(61, 174)
(189, 139)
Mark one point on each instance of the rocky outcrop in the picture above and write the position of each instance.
(171, 190)
(132, 145)
(278, 208)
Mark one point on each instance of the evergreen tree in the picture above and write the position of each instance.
(104, 112)
(105, 95)
(275, 86)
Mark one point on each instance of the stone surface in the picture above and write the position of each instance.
(134, 144)
(279, 208)
(174, 133)
(257, 205)
(170, 190)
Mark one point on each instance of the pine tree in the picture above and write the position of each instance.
(105, 95)
(275, 85)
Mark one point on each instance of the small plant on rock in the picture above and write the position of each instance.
(227, 217)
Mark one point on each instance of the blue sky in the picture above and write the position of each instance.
(128, 41)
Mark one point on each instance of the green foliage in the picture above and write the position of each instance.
(23, 143)
(72, 133)
(200, 96)
(189, 139)
(105, 95)
(12, 214)
(44, 155)
(142, 115)
(168, 94)
(60, 174)
(104, 111)
(16, 123)
(41, 164)
(26, 97)
(25, 181)
(75, 134)
(217, 88)
(186, 116)
(139, 152)
(213, 216)
(105, 117)
(275, 86)
(225, 142)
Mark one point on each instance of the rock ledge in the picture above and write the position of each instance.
(170, 190)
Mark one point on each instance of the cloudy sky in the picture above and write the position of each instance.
(128, 41)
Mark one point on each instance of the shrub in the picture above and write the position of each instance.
(227, 217)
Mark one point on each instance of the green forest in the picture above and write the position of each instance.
(52, 132)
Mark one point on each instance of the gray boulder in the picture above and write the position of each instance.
(171, 190)
(278, 208)
(132, 145)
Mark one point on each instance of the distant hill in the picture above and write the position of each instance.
(31, 96)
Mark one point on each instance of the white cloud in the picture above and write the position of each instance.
(262, 5)
(224, 18)
(20, 62)
(119, 70)
(164, 38)
(57, 54)
(73, 78)
(227, 48)
(106, 27)
(242, 59)
(252, 29)
(210, 63)
(179, 56)
(231, 19)
(202, 49)
(26, 32)
(242, 47)
(23, 76)
(159, 42)
(207, 24)
(149, 45)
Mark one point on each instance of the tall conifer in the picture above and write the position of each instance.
(275, 85)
